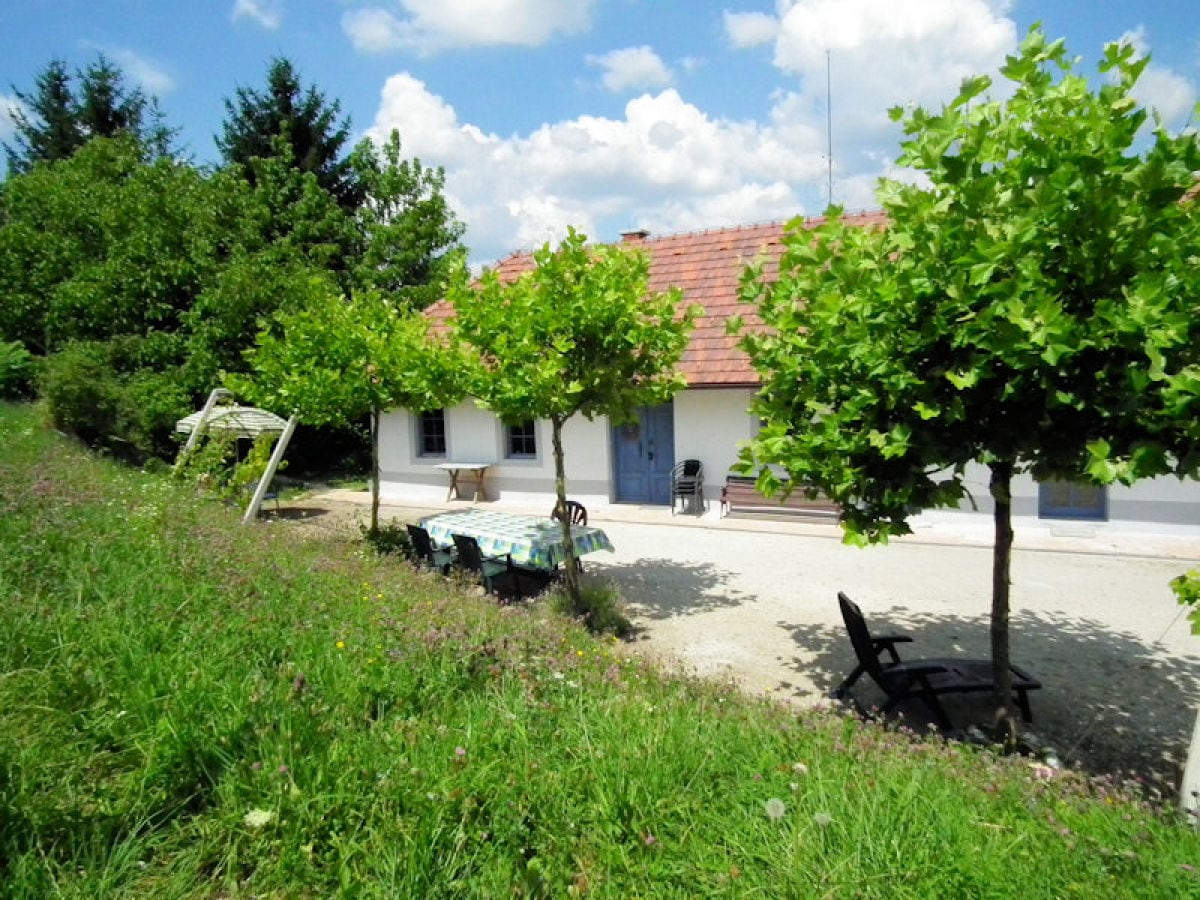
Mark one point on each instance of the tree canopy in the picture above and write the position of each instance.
(62, 118)
(577, 334)
(336, 359)
(302, 117)
(1031, 306)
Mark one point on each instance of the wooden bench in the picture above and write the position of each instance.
(739, 496)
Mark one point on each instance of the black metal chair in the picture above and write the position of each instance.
(499, 577)
(424, 552)
(687, 486)
(924, 679)
(576, 513)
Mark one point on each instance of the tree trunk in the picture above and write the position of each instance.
(560, 491)
(374, 469)
(1001, 490)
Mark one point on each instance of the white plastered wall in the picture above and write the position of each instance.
(1166, 500)
(711, 425)
(474, 434)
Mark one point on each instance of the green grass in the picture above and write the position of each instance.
(193, 708)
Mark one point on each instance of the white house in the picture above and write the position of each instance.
(631, 463)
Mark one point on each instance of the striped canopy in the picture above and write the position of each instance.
(242, 421)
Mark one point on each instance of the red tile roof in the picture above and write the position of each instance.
(706, 266)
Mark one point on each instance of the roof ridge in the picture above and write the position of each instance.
(720, 229)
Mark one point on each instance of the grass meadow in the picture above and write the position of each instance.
(194, 708)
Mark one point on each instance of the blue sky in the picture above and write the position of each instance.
(669, 115)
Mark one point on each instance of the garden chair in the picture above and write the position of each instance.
(924, 679)
(687, 486)
(576, 513)
(426, 553)
(499, 577)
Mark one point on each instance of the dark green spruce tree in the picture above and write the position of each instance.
(302, 117)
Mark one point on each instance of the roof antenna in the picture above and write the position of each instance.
(829, 125)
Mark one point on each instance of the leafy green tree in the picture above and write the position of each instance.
(406, 237)
(336, 360)
(302, 117)
(1029, 307)
(576, 335)
(104, 244)
(62, 119)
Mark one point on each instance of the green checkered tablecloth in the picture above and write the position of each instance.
(531, 541)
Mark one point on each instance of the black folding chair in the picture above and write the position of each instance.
(426, 553)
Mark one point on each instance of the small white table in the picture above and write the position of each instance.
(474, 470)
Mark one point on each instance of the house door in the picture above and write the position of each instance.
(643, 455)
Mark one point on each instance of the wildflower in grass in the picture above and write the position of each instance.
(800, 768)
(283, 769)
(649, 840)
(341, 645)
(255, 767)
(258, 818)
(775, 809)
(460, 752)
(823, 819)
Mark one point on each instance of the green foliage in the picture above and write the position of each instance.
(16, 371)
(1035, 297)
(1187, 589)
(335, 360)
(255, 121)
(338, 359)
(577, 334)
(598, 608)
(104, 244)
(97, 392)
(1029, 306)
(60, 120)
(81, 392)
(406, 236)
(186, 713)
(214, 465)
(389, 539)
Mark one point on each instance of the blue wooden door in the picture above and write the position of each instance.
(643, 454)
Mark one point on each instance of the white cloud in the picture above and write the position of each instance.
(427, 26)
(883, 53)
(750, 29)
(374, 30)
(9, 106)
(631, 68)
(152, 78)
(1171, 95)
(267, 13)
(664, 164)
(1161, 89)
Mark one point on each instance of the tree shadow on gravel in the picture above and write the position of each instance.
(663, 589)
(1111, 703)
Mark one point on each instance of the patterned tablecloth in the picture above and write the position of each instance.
(531, 541)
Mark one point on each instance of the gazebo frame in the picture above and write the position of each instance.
(242, 421)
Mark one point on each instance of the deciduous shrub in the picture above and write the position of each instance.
(16, 371)
(132, 414)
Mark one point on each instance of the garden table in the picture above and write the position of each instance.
(531, 541)
(474, 470)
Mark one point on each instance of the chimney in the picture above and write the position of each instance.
(634, 237)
